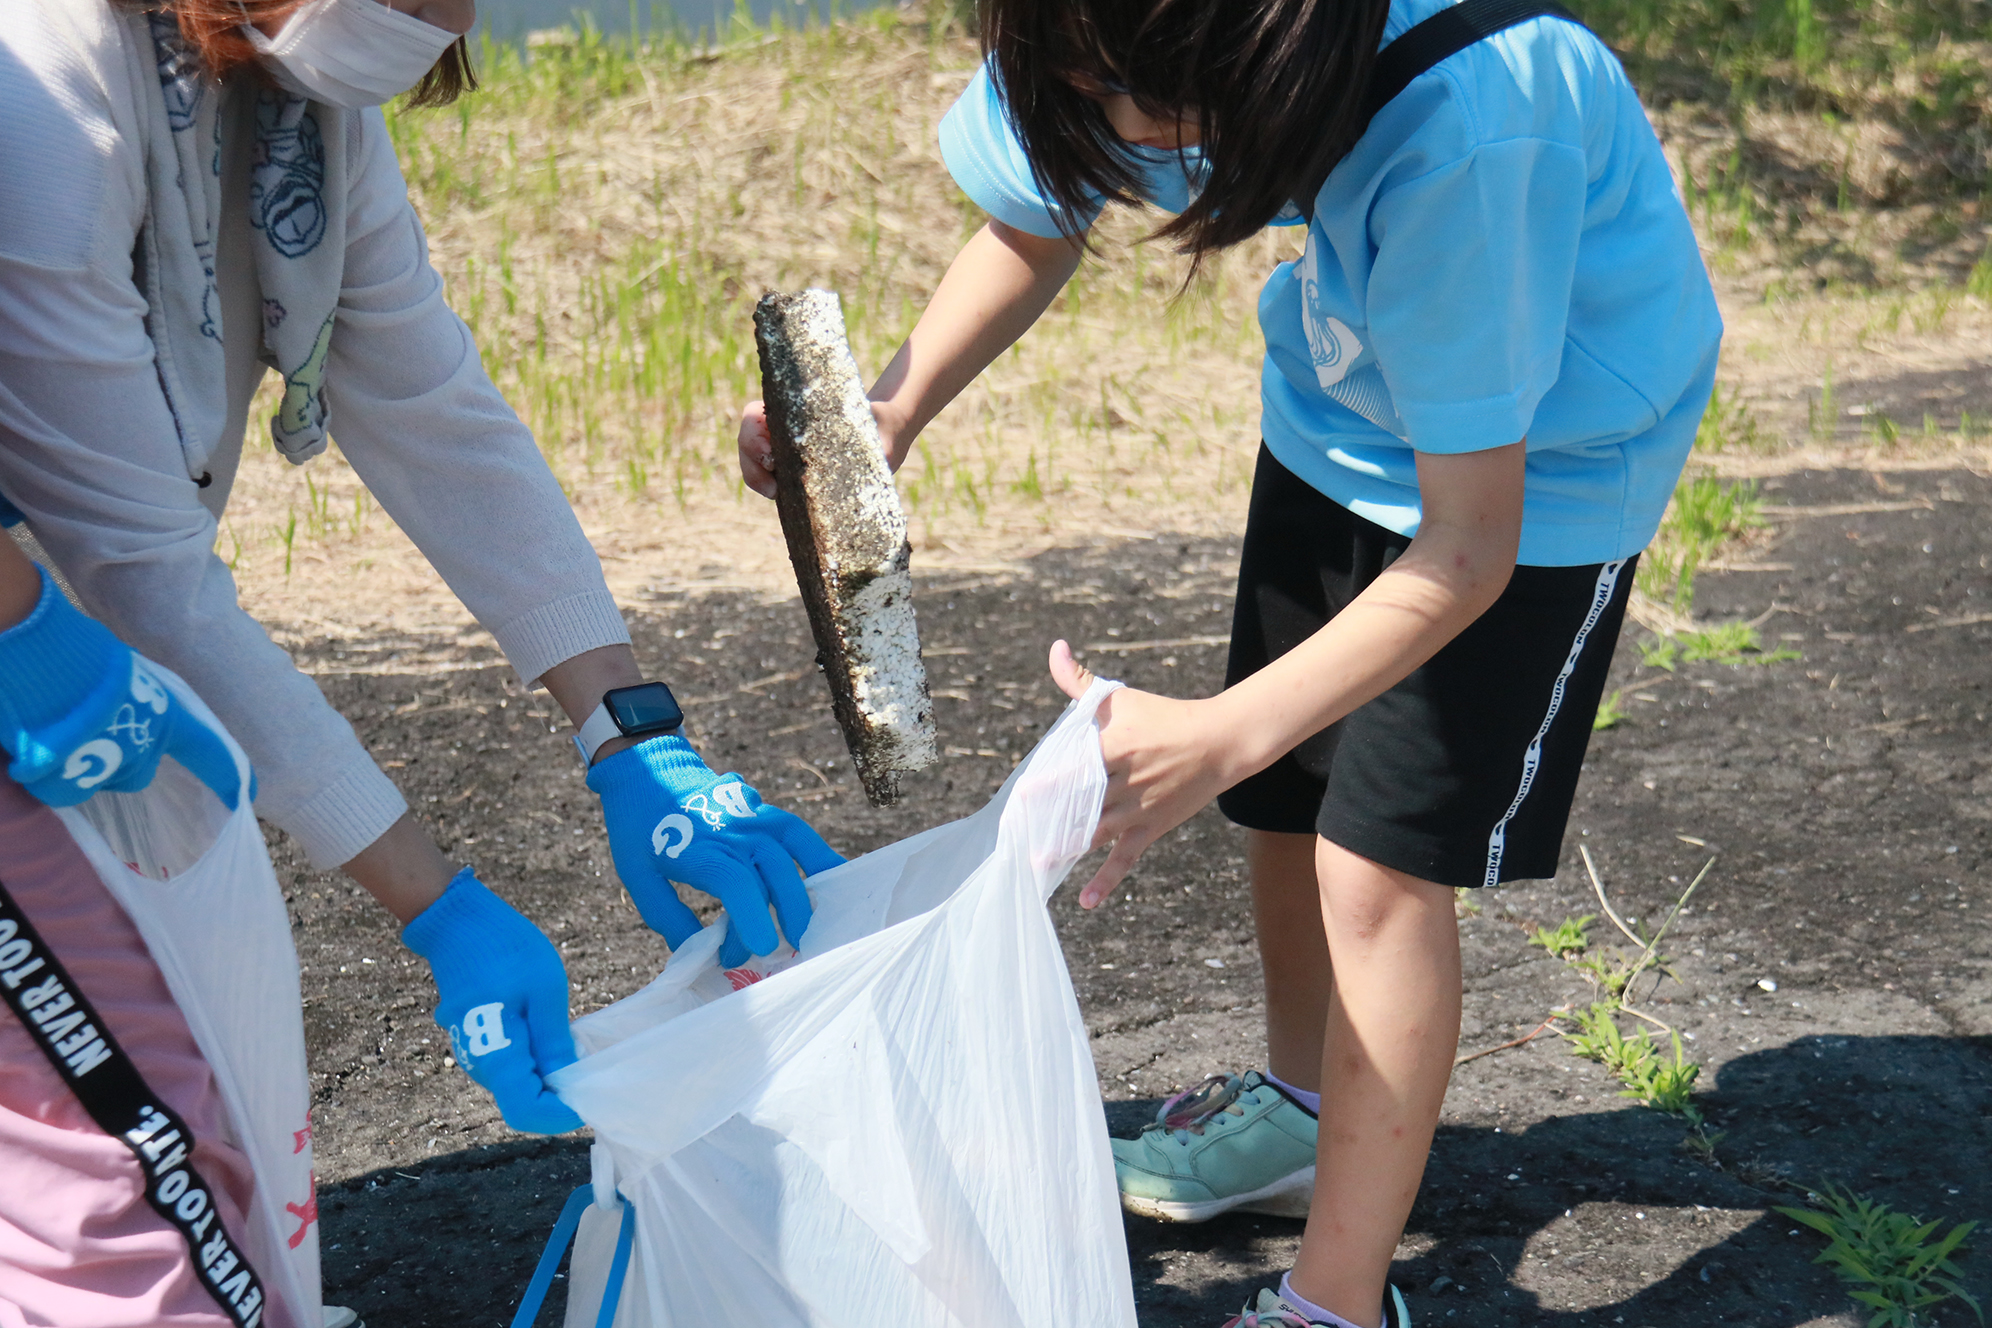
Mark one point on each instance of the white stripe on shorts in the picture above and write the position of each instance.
(1601, 595)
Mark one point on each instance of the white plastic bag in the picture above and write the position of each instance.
(903, 1127)
(196, 880)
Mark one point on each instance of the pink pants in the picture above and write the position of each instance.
(79, 1245)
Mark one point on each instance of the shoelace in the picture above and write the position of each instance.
(1189, 1111)
(1278, 1319)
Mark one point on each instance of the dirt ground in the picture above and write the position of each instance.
(1847, 795)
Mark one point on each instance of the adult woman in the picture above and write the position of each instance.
(191, 192)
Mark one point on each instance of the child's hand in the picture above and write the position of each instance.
(1165, 759)
(757, 448)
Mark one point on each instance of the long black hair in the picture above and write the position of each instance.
(1276, 88)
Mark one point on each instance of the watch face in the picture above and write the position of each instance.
(649, 708)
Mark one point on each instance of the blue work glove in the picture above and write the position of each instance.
(502, 996)
(670, 818)
(79, 712)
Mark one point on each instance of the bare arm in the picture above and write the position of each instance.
(1000, 283)
(1167, 758)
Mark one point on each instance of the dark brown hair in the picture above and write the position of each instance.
(449, 78)
(214, 29)
(1276, 88)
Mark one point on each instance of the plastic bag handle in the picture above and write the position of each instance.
(556, 1245)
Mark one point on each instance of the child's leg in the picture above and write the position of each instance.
(1392, 1032)
(1243, 1143)
(1293, 948)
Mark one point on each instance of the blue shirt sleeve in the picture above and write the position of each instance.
(981, 151)
(1469, 295)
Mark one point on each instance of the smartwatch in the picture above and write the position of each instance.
(642, 711)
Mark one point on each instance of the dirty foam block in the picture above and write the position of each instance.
(846, 536)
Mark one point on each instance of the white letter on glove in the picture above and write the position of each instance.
(484, 1028)
(733, 797)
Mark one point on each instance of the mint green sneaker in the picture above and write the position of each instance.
(1271, 1311)
(1234, 1142)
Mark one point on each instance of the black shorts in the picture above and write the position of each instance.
(1464, 772)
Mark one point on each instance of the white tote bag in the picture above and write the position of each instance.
(196, 881)
(901, 1127)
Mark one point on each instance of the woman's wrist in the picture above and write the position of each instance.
(403, 869)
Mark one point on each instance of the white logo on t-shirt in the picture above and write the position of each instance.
(1330, 342)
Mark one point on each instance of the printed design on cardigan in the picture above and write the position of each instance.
(184, 89)
(179, 72)
(287, 189)
(303, 410)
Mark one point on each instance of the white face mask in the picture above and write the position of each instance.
(350, 53)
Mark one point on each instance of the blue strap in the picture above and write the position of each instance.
(612, 1289)
(1424, 45)
(556, 1246)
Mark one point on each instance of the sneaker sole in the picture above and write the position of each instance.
(1288, 1196)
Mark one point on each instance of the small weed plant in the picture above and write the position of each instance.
(1611, 970)
(1568, 937)
(1897, 1265)
(1649, 1075)
(1660, 652)
(1610, 711)
(1598, 1038)
(1665, 1084)
(1732, 643)
(1729, 426)
(1650, 1078)
(1705, 514)
(1724, 643)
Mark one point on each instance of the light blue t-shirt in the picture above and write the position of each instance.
(1502, 255)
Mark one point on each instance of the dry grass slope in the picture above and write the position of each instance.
(605, 220)
(606, 215)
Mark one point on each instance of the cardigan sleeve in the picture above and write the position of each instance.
(418, 418)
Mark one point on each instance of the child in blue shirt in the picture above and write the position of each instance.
(1482, 378)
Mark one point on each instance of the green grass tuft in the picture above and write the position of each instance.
(1649, 1077)
(1897, 1264)
(1704, 515)
(1568, 937)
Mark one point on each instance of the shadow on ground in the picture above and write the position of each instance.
(1504, 1214)
(1531, 1226)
